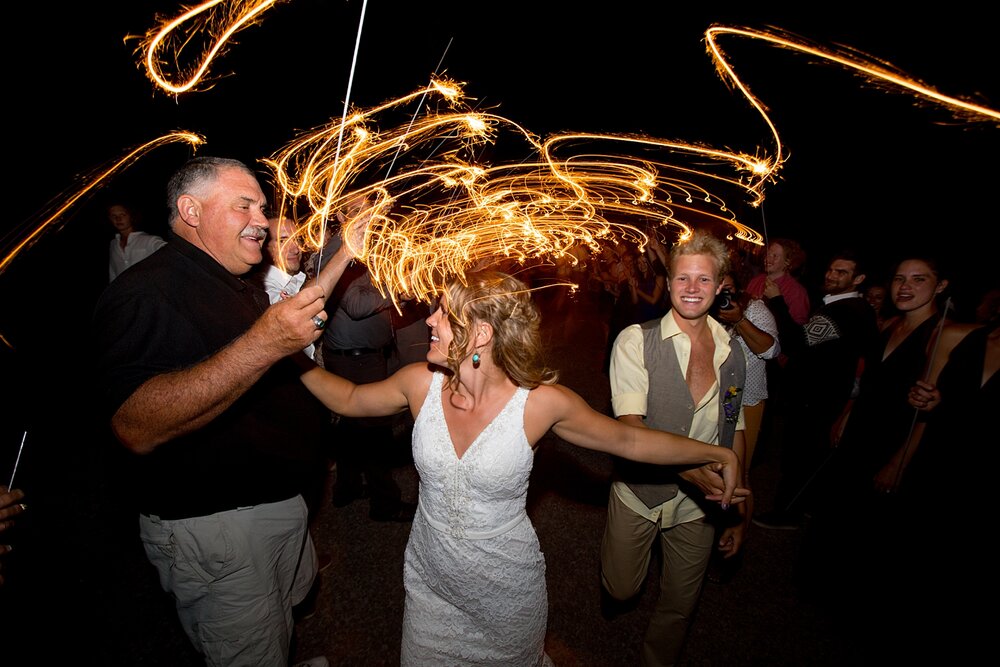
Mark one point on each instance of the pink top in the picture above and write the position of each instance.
(791, 289)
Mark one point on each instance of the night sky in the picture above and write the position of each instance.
(867, 167)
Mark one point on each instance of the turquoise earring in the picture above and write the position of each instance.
(475, 360)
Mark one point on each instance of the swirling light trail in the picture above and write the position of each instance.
(437, 216)
(59, 206)
(873, 69)
(542, 207)
(218, 19)
(443, 210)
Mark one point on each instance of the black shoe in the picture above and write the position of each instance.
(777, 521)
(402, 513)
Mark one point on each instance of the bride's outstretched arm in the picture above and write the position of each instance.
(375, 399)
(573, 420)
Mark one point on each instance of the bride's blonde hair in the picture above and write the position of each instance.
(505, 303)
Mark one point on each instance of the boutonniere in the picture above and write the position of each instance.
(732, 411)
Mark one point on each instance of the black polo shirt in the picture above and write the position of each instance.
(171, 311)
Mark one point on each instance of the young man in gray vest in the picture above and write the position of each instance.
(684, 374)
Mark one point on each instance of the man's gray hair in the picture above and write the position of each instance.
(194, 174)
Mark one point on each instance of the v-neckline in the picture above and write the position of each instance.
(475, 440)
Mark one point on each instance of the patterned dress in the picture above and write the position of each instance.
(473, 572)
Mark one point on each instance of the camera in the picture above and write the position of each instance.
(724, 300)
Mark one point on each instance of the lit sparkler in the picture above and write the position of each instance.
(871, 68)
(445, 210)
(211, 24)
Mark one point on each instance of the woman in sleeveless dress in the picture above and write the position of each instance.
(854, 542)
(474, 574)
(881, 419)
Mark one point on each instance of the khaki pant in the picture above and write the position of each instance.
(235, 576)
(626, 550)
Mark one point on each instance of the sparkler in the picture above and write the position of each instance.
(17, 461)
(926, 377)
(446, 210)
(443, 211)
(871, 68)
(216, 20)
(438, 217)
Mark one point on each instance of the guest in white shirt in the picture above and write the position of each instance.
(129, 246)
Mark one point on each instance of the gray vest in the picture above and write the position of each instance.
(669, 407)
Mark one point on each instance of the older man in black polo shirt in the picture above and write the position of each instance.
(202, 382)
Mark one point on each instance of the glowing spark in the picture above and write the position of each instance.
(444, 210)
(870, 67)
(216, 20)
(438, 216)
(56, 209)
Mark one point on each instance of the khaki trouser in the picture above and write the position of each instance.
(235, 576)
(626, 550)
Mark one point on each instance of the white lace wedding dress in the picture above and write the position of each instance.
(474, 573)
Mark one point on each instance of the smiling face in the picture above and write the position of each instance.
(694, 282)
(840, 277)
(441, 335)
(225, 218)
(915, 285)
(775, 261)
(875, 295)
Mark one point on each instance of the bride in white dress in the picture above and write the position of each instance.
(474, 573)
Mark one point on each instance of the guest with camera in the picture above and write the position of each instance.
(750, 321)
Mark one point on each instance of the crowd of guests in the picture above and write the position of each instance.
(236, 365)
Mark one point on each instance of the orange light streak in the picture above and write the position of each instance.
(445, 209)
(56, 209)
(214, 22)
(873, 69)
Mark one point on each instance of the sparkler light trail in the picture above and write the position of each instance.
(872, 69)
(442, 211)
(54, 212)
(212, 23)
(437, 217)
(446, 210)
